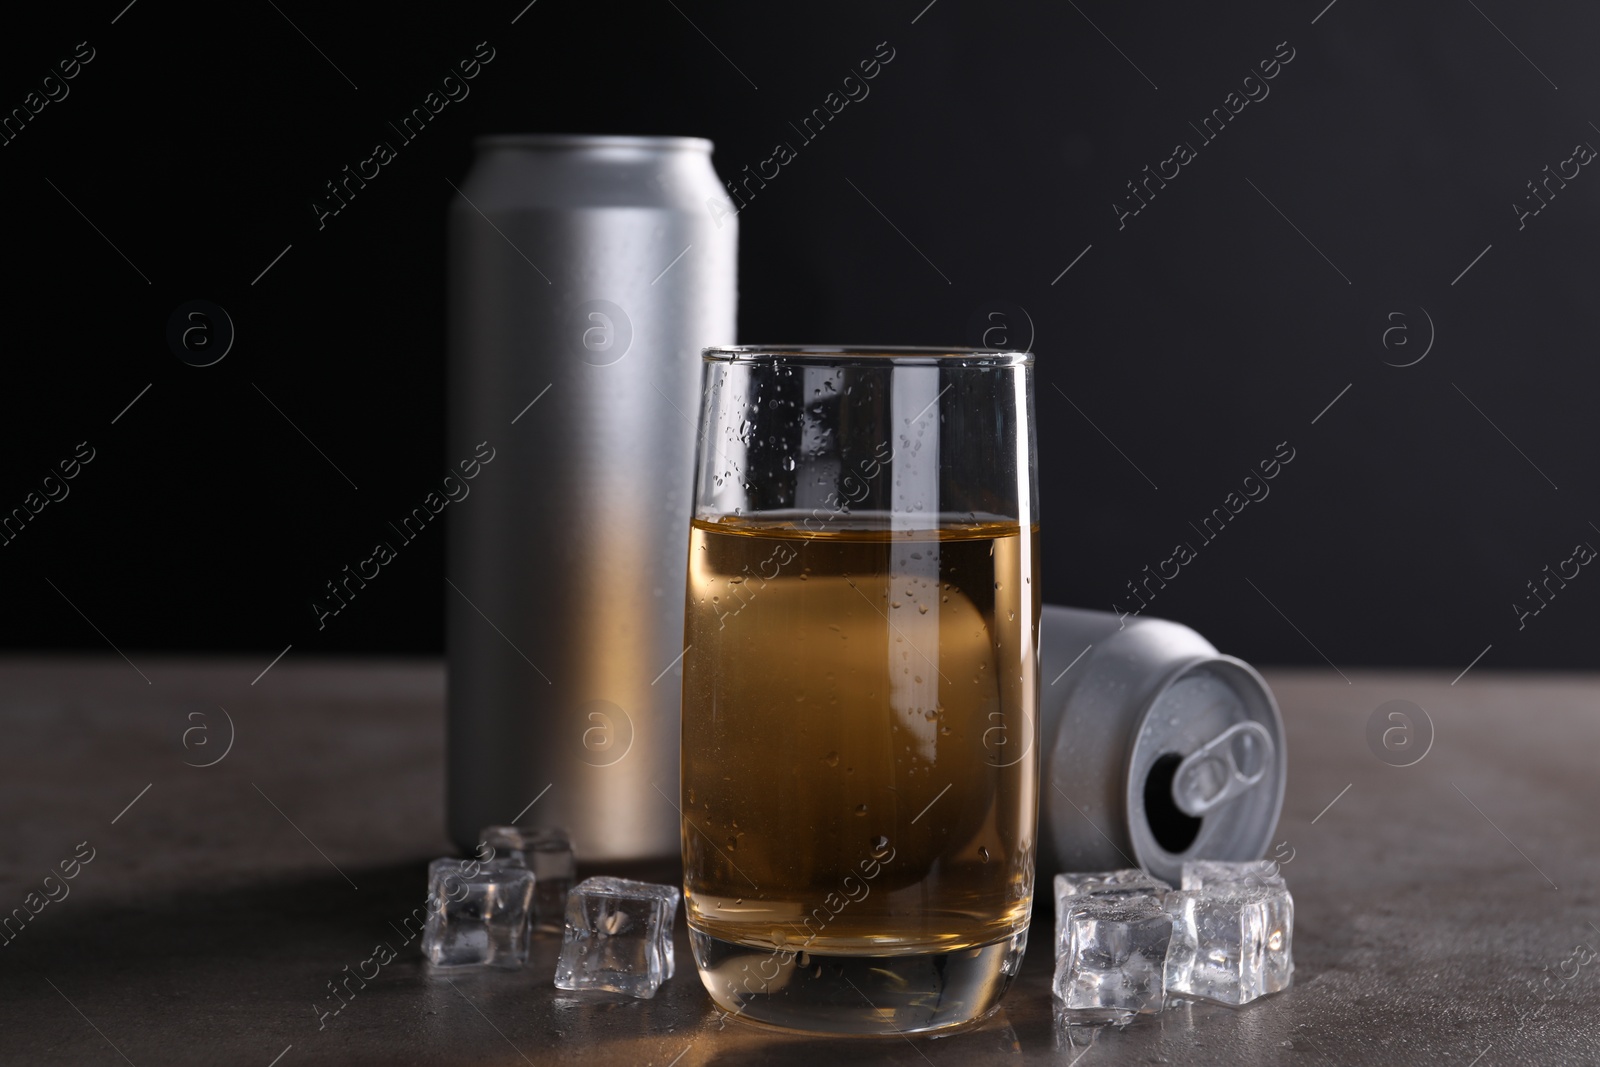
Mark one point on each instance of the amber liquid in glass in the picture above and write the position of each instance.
(859, 760)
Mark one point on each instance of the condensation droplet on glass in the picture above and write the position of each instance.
(788, 463)
(831, 759)
(861, 809)
(983, 854)
(880, 846)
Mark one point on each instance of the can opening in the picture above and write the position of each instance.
(1172, 829)
(1195, 705)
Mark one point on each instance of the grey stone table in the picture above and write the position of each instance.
(1438, 905)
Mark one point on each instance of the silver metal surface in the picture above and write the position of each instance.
(586, 273)
(1132, 707)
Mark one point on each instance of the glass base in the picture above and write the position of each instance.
(857, 994)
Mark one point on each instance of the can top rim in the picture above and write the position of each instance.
(866, 355)
(543, 141)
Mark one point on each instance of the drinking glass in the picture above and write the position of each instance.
(860, 686)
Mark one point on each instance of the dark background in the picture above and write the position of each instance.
(1196, 338)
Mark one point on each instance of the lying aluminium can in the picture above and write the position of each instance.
(585, 274)
(1156, 748)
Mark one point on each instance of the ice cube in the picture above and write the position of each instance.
(548, 854)
(477, 914)
(1230, 941)
(1127, 884)
(1111, 957)
(618, 937)
(1201, 874)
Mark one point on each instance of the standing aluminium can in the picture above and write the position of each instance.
(1156, 748)
(586, 274)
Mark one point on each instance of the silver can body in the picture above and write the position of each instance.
(1140, 719)
(585, 274)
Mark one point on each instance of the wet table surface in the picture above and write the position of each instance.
(1443, 909)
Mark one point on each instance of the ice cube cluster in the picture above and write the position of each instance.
(617, 933)
(1125, 941)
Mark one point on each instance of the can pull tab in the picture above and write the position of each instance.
(1227, 765)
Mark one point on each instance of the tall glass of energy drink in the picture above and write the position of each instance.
(860, 685)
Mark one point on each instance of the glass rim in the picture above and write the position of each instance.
(868, 355)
